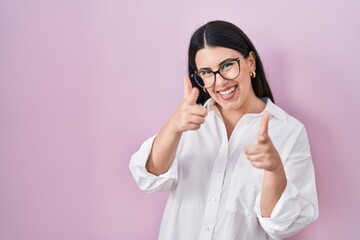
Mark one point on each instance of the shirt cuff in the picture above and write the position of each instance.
(146, 180)
(285, 212)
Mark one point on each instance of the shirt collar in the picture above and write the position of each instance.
(274, 110)
(270, 107)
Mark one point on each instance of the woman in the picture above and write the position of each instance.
(238, 166)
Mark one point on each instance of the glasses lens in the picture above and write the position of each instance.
(199, 80)
(204, 79)
(230, 70)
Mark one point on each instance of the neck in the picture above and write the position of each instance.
(232, 117)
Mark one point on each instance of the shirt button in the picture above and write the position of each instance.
(213, 199)
(219, 170)
(207, 228)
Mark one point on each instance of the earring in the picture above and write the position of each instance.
(204, 89)
(253, 74)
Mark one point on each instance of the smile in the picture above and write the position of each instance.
(227, 92)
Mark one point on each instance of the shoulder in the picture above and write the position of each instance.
(282, 115)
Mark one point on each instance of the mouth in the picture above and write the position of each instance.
(227, 93)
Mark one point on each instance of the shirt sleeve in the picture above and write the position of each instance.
(147, 181)
(298, 205)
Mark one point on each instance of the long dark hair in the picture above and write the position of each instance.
(225, 34)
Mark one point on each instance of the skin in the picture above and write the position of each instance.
(190, 116)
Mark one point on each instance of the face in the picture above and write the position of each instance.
(229, 95)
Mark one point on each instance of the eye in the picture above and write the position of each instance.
(206, 73)
(227, 66)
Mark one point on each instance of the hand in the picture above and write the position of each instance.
(264, 155)
(189, 115)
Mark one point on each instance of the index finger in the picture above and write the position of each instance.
(264, 125)
(187, 87)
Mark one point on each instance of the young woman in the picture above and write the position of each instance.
(237, 166)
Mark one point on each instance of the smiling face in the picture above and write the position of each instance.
(235, 95)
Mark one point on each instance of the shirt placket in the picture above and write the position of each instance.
(214, 194)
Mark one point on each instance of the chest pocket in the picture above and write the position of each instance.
(244, 186)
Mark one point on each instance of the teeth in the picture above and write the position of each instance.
(227, 92)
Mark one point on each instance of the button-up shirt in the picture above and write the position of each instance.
(215, 191)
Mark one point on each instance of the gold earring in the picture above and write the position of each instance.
(253, 74)
(204, 89)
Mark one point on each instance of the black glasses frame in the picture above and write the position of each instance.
(217, 72)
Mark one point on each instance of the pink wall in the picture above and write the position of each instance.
(78, 80)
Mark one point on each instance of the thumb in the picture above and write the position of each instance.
(193, 96)
(187, 87)
(264, 125)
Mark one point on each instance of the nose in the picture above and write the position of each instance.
(219, 79)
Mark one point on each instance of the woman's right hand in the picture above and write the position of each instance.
(189, 115)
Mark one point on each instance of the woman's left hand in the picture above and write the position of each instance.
(264, 155)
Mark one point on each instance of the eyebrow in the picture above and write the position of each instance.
(219, 65)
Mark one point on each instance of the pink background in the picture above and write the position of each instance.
(84, 83)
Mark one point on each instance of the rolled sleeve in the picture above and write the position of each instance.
(147, 181)
(298, 204)
(285, 212)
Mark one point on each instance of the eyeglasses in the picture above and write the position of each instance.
(229, 70)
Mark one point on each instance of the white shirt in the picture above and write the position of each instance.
(214, 189)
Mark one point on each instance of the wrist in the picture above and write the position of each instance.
(274, 178)
(171, 127)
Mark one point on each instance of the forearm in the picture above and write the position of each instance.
(163, 150)
(274, 183)
(188, 116)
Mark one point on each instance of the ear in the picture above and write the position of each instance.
(251, 59)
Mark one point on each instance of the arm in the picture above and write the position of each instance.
(296, 206)
(163, 150)
(264, 155)
(188, 116)
(273, 185)
(153, 166)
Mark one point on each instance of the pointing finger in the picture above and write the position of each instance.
(193, 96)
(264, 125)
(187, 87)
